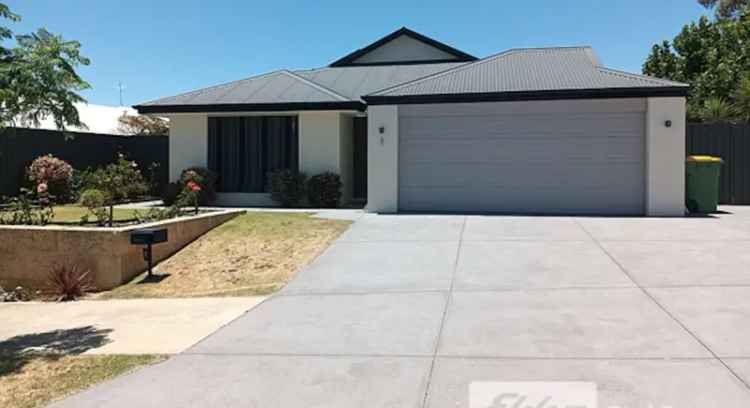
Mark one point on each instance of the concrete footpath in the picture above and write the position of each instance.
(137, 326)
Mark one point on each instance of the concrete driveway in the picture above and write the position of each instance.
(409, 310)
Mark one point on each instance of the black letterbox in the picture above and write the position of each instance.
(148, 236)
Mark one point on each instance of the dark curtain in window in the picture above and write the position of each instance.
(243, 150)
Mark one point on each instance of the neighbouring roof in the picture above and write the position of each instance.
(530, 73)
(97, 118)
(519, 74)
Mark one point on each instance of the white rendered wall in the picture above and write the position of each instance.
(188, 143)
(665, 157)
(382, 159)
(319, 144)
(324, 145)
(325, 140)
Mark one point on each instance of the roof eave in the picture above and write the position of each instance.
(251, 107)
(600, 93)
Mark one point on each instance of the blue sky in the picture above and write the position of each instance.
(164, 47)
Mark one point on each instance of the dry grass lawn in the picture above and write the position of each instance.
(42, 379)
(253, 254)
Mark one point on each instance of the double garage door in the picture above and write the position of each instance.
(543, 157)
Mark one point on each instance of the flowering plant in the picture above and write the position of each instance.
(51, 175)
(193, 186)
(204, 179)
(191, 194)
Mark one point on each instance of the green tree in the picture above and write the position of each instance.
(742, 99)
(716, 109)
(5, 32)
(38, 77)
(711, 55)
(725, 8)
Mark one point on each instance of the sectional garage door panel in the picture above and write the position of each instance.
(546, 157)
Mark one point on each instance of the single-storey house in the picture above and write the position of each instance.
(412, 124)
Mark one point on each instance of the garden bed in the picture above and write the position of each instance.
(72, 214)
(27, 253)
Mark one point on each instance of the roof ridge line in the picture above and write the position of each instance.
(358, 53)
(592, 58)
(445, 72)
(316, 85)
(195, 91)
(641, 76)
(561, 47)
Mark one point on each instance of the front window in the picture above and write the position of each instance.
(243, 150)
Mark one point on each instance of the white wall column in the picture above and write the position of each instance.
(188, 143)
(382, 158)
(665, 157)
(319, 143)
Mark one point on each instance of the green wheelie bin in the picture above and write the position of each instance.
(702, 183)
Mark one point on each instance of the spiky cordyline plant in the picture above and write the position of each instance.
(69, 282)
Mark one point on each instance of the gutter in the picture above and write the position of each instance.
(598, 93)
(251, 107)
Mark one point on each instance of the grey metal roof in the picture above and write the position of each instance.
(527, 70)
(276, 87)
(314, 87)
(353, 82)
(515, 74)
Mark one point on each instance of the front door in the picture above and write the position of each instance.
(360, 159)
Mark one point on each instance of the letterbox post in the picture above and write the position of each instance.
(148, 237)
(148, 257)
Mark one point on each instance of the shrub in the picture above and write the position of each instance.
(23, 210)
(79, 183)
(324, 190)
(69, 282)
(154, 170)
(179, 196)
(96, 202)
(190, 195)
(206, 180)
(170, 193)
(56, 173)
(287, 187)
(121, 180)
(156, 214)
(93, 198)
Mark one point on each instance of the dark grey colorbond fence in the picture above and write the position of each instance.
(18, 147)
(731, 142)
